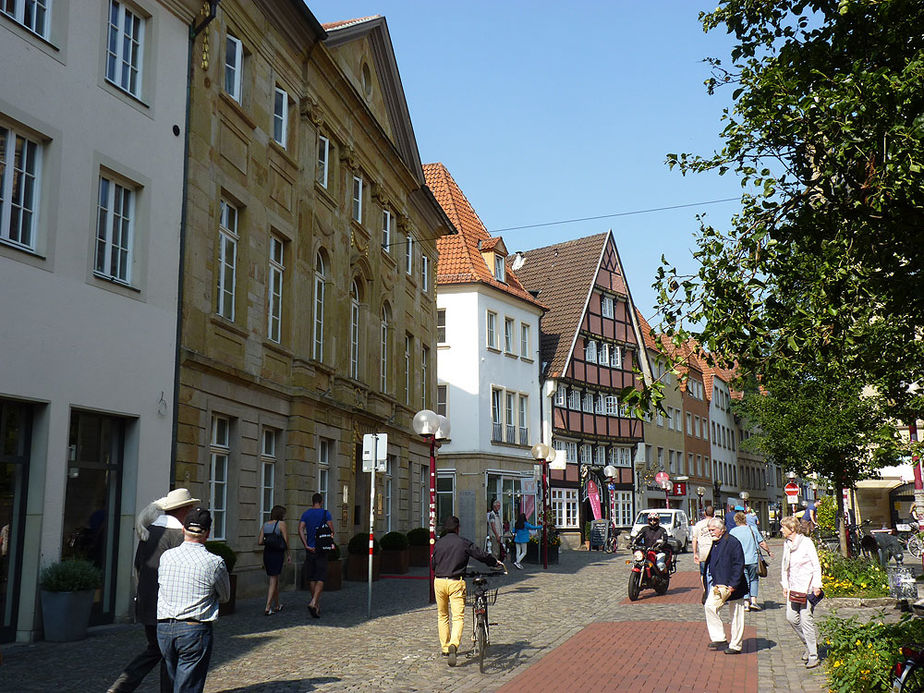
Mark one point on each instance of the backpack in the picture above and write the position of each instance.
(274, 541)
(323, 538)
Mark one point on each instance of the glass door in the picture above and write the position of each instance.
(15, 430)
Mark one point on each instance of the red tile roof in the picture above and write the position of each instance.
(564, 275)
(332, 26)
(460, 260)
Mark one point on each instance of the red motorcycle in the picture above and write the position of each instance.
(652, 568)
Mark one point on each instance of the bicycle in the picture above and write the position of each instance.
(480, 599)
(610, 545)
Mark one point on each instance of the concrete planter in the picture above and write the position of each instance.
(419, 556)
(395, 561)
(66, 615)
(358, 567)
(334, 575)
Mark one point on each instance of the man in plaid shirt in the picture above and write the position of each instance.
(192, 583)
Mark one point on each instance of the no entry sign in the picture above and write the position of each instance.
(792, 490)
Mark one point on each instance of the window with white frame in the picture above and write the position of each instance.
(574, 399)
(565, 507)
(408, 347)
(659, 418)
(497, 422)
(125, 48)
(524, 340)
(227, 259)
(323, 160)
(425, 496)
(20, 182)
(281, 117)
(268, 472)
(354, 331)
(442, 401)
(492, 329)
(32, 14)
(561, 396)
(612, 405)
(424, 376)
(409, 254)
(604, 354)
(660, 458)
(357, 209)
(424, 273)
(600, 407)
(511, 429)
(440, 325)
(388, 220)
(571, 452)
(606, 306)
(277, 270)
(234, 67)
(445, 495)
(587, 456)
(318, 336)
(500, 273)
(114, 230)
(384, 356)
(508, 335)
(616, 357)
(670, 461)
(590, 351)
(600, 455)
(522, 422)
(389, 490)
(324, 450)
(219, 453)
(588, 403)
(622, 503)
(689, 424)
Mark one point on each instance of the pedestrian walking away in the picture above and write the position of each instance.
(272, 538)
(496, 529)
(450, 558)
(160, 528)
(801, 580)
(192, 583)
(726, 565)
(521, 538)
(313, 519)
(702, 542)
(752, 541)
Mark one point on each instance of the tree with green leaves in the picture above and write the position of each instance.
(822, 424)
(823, 262)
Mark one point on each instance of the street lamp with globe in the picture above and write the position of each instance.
(544, 454)
(432, 427)
(700, 492)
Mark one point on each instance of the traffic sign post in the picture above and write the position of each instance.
(375, 458)
(663, 480)
(792, 493)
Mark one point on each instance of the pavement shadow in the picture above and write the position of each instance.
(280, 686)
(502, 657)
(759, 644)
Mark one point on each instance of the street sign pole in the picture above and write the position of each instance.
(372, 461)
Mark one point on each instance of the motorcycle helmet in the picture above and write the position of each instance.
(654, 517)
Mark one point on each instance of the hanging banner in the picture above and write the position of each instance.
(593, 495)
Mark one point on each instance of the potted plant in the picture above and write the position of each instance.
(418, 540)
(395, 553)
(67, 598)
(534, 547)
(334, 580)
(358, 558)
(220, 548)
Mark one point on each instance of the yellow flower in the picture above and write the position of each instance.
(837, 663)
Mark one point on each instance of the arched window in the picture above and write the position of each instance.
(319, 278)
(354, 331)
(383, 363)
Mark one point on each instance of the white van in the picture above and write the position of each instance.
(675, 523)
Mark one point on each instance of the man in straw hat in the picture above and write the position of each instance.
(159, 527)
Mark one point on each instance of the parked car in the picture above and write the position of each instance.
(674, 521)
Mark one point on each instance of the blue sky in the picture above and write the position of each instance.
(552, 111)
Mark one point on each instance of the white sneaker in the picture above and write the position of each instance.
(518, 565)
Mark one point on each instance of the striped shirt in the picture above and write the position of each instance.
(192, 581)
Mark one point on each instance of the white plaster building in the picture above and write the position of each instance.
(487, 371)
(92, 113)
(723, 438)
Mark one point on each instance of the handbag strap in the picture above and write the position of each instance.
(760, 554)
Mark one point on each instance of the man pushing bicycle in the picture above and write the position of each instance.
(450, 558)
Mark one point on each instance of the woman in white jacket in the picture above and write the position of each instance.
(801, 573)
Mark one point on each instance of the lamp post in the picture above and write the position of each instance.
(543, 454)
(431, 426)
(700, 492)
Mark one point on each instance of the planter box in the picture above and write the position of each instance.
(334, 575)
(358, 567)
(419, 555)
(66, 615)
(534, 553)
(229, 606)
(395, 562)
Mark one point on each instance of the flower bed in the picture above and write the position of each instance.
(861, 655)
(852, 577)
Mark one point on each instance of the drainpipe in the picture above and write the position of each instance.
(194, 31)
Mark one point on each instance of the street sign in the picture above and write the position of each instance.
(792, 490)
(661, 477)
(680, 488)
(375, 452)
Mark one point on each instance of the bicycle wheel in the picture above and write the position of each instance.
(481, 641)
(915, 545)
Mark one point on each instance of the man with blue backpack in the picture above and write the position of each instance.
(316, 529)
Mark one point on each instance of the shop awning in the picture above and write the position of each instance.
(879, 484)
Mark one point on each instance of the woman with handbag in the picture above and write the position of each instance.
(275, 550)
(801, 581)
(752, 541)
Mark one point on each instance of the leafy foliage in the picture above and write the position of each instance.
(822, 263)
(826, 512)
(70, 576)
(851, 577)
(419, 536)
(861, 655)
(220, 548)
(394, 541)
(359, 544)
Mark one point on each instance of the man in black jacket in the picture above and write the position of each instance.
(450, 558)
(166, 532)
(725, 564)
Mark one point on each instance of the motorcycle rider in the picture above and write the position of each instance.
(654, 536)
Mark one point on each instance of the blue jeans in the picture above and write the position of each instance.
(707, 576)
(187, 649)
(750, 574)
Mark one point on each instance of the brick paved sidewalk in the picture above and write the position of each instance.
(538, 614)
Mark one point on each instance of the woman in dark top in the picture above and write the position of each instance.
(273, 557)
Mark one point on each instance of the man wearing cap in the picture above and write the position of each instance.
(192, 583)
(450, 558)
(730, 517)
(163, 533)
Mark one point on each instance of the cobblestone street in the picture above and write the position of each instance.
(574, 616)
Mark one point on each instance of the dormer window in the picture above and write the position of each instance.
(499, 267)
(494, 253)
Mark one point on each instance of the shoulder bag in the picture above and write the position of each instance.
(274, 541)
(761, 563)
